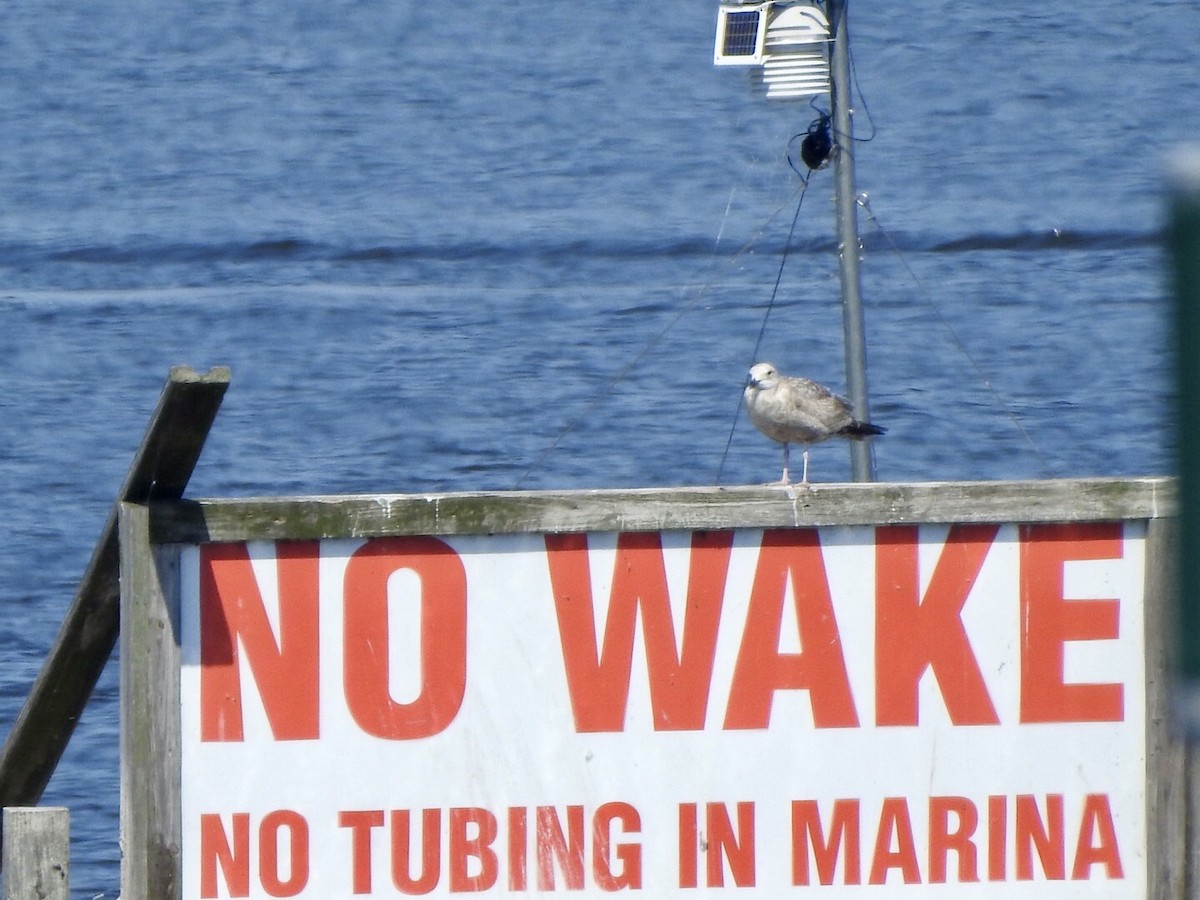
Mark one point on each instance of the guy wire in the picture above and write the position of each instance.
(763, 328)
(619, 376)
(958, 342)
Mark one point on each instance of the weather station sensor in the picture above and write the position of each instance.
(788, 41)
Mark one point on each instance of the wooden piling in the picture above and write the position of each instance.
(150, 791)
(36, 852)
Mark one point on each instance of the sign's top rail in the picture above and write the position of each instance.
(658, 509)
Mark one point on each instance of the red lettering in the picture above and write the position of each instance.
(997, 838)
(360, 823)
(727, 845)
(943, 840)
(473, 862)
(464, 848)
(895, 824)
(953, 825)
(232, 615)
(1049, 621)
(1097, 843)
(820, 668)
(689, 839)
(806, 821)
(215, 851)
(518, 841)
(914, 634)
(598, 675)
(431, 851)
(1046, 837)
(554, 846)
(443, 662)
(268, 849)
(629, 855)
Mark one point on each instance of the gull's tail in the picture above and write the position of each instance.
(858, 430)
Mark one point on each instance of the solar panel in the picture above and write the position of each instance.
(741, 33)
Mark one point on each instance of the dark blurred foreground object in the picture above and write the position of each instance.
(1183, 243)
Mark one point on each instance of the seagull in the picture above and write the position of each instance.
(794, 410)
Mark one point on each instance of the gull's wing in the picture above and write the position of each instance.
(810, 404)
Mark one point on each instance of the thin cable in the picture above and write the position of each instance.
(858, 87)
(958, 342)
(725, 218)
(617, 378)
(763, 328)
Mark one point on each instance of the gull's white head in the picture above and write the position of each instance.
(762, 376)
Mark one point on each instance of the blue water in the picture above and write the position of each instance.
(459, 247)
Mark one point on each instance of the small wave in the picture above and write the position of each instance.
(1054, 239)
(151, 255)
(298, 249)
(170, 254)
(550, 252)
(290, 249)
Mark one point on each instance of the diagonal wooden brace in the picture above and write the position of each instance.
(160, 471)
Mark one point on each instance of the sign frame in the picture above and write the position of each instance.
(154, 536)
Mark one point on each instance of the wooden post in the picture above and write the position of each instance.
(160, 471)
(37, 852)
(150, 778)
(1167, 812)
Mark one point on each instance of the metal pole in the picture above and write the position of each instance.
(846, 200)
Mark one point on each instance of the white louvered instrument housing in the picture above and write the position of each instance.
(788, 41)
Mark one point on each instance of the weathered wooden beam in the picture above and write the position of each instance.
(151, 829)
(1066, 500)
(160, 471)
(1167, 814)
(37, 852)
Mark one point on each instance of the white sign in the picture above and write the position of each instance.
(856, 711)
